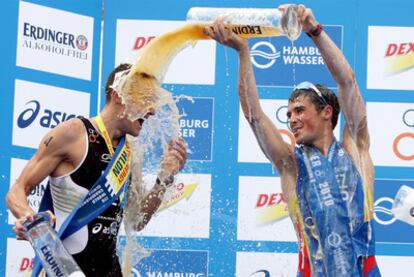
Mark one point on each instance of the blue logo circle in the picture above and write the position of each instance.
(29, 115)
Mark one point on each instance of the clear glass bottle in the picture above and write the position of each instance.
(54, 257)
(252, 22)
(403, 206)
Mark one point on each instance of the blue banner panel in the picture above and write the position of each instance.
(196, 125)
(177, 263)
(385, 222)
(279, 62)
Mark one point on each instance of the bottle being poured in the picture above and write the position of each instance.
(252, 22)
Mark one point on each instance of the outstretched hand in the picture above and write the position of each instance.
(221, 31)
(305, 17)
(174, 159)
(20, 230)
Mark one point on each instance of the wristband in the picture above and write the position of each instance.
(315, 32)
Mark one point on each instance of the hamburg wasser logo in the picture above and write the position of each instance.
(54, 41)
(263, 54)
(277, 59)
(48, 118)
(382, 211)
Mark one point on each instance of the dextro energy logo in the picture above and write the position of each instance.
(276, 60)
(38, 108)
(62, 44)
(400, 57)
(390, 58)
(270, 208)
(187, 202)
(394, 147)
(262, 213)
(133, 35)
(180, 192)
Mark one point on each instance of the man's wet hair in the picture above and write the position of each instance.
(328, 95)
(111, 78)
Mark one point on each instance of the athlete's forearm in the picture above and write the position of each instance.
(16, 200)
(349, 96)
(150, 205)
(249, 98)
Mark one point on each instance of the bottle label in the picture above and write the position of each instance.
(51, 261)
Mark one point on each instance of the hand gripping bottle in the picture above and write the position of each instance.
(403, 206)
(252, 22)
(54, 257)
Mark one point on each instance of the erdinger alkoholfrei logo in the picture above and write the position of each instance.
(403, 138)
(263, 54)
(399, 57)
(82, 42)
(48, 118)
(54, 41)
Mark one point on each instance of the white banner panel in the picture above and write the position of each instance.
(194, 65)
(38, 108)
(390, 58)
(54, 41)
(395, 265)
(19, 259)
(391, 129)
(262, 213)
(186, 206)
(258, 264)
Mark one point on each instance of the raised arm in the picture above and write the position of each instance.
(355, 135)
(349, 96)
(267, 135)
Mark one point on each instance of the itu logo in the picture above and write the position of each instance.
(282, 118)
(266, 52)
(48, 118)
(261, 273)
(382, 213)
(402, 139)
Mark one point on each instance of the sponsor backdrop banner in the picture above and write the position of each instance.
(226, 215)
(49, 73)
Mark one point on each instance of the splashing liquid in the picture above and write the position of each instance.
(140, 90)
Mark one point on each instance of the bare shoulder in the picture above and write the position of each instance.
(65, 134)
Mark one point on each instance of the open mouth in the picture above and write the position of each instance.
(141, 121)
